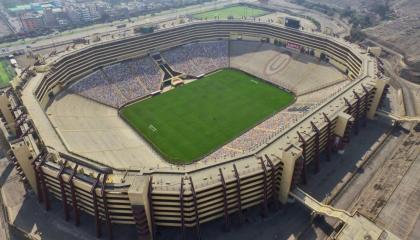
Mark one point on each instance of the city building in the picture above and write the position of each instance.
(50, 19)
(32, 22)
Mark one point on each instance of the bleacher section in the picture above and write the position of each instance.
(149, 73)
(259, 135)
(136, 78)
(71, 67)
(120, 83)
(297, 72)
(196, 59)
(121, 77)
(96, 87)
(265, 131)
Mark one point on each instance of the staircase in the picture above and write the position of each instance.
(398, 118)
(356, 226)
(169, 72)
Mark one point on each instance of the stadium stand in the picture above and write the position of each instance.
(137, 78)
(118, 84)
(322, 94)
(272, 126)
(196, 59)
(149, 73)
(96, 87)
(287, 68)
(121, 77)
(260, 134)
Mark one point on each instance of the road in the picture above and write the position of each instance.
(411, 91)
(349, 195)
(337, 26)
(13, 26)
(280, 5)
(110, 27)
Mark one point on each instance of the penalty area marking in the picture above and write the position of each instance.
(254, 81)
(152, 128)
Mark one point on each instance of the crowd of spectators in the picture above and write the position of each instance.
(264, 132)
(117, 84)
(258, 136)
(96, 87)
(120, 76)
(148, 72)
(199, 58)
(120, 83)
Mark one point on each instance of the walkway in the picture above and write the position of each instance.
(399, 118)
(356, 226)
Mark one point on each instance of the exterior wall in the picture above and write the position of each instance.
(290, 156)
(139, 197)
(5, 109)
(240, 192)
(380, 86)
(342, 122)
(7, 115)
(32, 22)
(24, 159)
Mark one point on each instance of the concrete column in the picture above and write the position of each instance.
(380, 86)
(138, 196)
(290, 155)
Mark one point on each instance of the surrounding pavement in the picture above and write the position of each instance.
(356, 226)
(411, 91)
(378, 164)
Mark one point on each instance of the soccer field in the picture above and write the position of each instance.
(6, 73)
(191, 121)
(234, 11)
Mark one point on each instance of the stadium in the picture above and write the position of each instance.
(187, 124)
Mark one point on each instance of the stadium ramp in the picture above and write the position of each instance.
(398, 118)
(355, 226)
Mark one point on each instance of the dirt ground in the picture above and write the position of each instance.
(402, 33)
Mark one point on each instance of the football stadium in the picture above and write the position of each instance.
(187, 124)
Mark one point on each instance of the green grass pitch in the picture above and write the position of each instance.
(191, 121)
(6, 73)
(234, 11)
